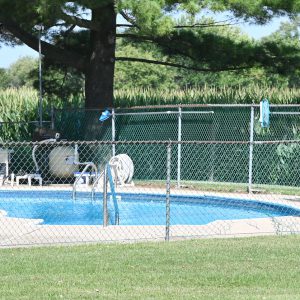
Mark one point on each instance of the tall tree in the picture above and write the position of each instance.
(82, 34)
(288, 34)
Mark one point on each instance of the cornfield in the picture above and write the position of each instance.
(21, 104)
(17, 108)
(206, 95)
(17, 105)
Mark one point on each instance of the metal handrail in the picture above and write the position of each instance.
(95, 182)
(113, 192)
(37, 168)
(107, 176)
(87, 165)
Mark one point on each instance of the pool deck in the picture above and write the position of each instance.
(15, 232)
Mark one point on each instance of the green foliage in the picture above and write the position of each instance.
(206, 95)
(62, 83)
(58, 82)
(4, 80)
(19, 111)
(22, 73)
(231, 79)
(17, 108)
(287, 168)
(259, 11)
(161, 31)
(17, 104)
(140, 75)
(193, 41)
(287, 37)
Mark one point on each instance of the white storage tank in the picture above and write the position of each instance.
(61, 161)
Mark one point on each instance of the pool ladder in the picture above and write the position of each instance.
(108, 178)
(87, 166)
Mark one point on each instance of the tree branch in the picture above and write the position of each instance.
(128, 19)
(68, 31)
(196, 25)
(160, 41)
(205, 25)
(62, 56)
(126, 25)
(80, 22)
(135, 36)
(156, 62)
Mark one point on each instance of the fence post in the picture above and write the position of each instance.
(168, 186)
(179, 146)
(105, 210)
(251, 150)
(113, 131)
(52, 117)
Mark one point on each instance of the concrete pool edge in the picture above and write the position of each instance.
(28, 232)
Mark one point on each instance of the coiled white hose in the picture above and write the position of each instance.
(123, 168)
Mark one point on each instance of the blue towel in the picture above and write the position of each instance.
(264, 113)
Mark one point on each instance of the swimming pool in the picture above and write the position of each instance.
(58, 208)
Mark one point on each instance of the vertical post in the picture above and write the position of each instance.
(213, 151)
(113, 131)
(251, 150)
(168, 185)
(105, 210)
(179, 146)
(52, 117)
(40, 28)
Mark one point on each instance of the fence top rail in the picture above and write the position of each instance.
(163, 113)
(58, 143)
(183, 106)
(22, 122)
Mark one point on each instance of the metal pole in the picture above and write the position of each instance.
(251, 150)
(213, 151)
(286, 113)
(165, 113)
(113, 131)
(52, 117)
(179, 146)
(167, 237)
(40, 28)
(105, 210)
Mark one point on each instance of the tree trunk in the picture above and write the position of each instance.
(99, 75)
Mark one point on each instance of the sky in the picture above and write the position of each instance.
(9, 55)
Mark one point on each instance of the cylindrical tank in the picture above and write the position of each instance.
(61, 161)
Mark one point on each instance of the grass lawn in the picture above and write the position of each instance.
(223, 187)
(244, 268)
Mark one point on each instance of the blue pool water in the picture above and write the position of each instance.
(58, 208)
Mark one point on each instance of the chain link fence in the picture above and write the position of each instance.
(185, 122)
(54, 192)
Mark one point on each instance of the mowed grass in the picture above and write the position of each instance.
(244, 268)
(224, 187)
